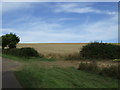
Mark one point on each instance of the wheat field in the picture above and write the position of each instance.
(54, 48)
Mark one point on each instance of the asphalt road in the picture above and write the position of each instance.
(8, 78)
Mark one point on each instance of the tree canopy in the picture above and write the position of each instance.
(10, 40)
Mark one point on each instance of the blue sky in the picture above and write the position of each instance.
(65, 22)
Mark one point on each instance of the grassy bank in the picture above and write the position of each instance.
(32, 59)
(38, 73)
(36, 77)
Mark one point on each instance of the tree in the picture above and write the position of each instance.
(4, 41)
(0, 41)
(10, 40)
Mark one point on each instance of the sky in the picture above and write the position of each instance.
(61, 22)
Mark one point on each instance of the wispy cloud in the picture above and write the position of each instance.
(43, 32)
(80, 8)
(66, 19)
(59, 27)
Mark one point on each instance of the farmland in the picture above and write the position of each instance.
(60, 45)
(58, 72)
(55, 48)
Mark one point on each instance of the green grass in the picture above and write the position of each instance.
(36, 77)
(116, 60)
(33, 75)
(31, 59)
(13, 58)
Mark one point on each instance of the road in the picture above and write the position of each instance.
(8, 78)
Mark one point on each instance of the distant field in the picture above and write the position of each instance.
(55, 48)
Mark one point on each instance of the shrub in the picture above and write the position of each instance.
(28, 52)
(13, 51)
(88, 66)
(111, 71)
(22, 52)
(98, 50)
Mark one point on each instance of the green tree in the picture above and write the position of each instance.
(10, 40)
(4, 41)
(0, 41)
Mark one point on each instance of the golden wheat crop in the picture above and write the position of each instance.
(54, 48)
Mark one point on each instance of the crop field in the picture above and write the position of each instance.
(63, 49)
(55, 48)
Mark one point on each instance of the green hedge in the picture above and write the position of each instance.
(22, 52)
(98, 50)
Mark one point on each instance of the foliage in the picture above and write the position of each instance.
(91, 66)
(13, 51)
(98, 50)
(22, 52)
(26, 52)
(110, 71)
(0, 41)
(10, 40)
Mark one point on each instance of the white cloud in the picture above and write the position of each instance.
(80, 8)
(41, 31)
(65, 19)
(60, 7)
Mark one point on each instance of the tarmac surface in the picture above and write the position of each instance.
(8, 78)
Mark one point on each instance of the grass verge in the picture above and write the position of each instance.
(31, 59)
(36, 77)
